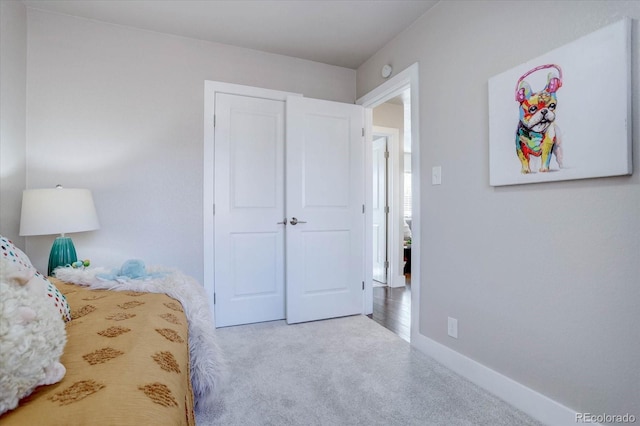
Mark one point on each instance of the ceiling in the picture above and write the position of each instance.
(337, 32)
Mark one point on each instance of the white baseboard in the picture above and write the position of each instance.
(536, 405)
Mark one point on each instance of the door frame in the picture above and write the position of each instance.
(208, 196)
(406, 79)
(395, 277)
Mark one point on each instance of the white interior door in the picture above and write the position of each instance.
(249, 203)
(325, 194)
(380, 210)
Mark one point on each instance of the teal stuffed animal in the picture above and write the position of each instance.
(132, 269)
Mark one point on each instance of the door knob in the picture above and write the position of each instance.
(295, 221)
(284, 222)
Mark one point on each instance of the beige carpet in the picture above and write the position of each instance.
(345, 371)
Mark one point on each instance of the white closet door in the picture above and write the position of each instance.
(325, 194)
(249, 203)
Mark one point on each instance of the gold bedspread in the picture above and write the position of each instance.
(127, 361)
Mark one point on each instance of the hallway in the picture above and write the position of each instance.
(392, 308)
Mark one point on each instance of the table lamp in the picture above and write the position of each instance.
(58, 211)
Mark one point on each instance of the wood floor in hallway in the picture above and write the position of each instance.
(392, 308)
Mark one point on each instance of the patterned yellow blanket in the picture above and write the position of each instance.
(127, 361)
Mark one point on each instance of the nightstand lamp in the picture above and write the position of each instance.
(58, 211)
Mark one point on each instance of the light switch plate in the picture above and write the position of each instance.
(436, 175)
(452, 327)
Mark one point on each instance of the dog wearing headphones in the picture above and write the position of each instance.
(537, 134)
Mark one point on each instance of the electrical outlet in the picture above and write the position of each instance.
(452, 327)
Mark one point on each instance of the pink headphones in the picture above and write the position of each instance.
(554, 83)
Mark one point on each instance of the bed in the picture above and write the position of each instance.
(138, 345)
(127, 359)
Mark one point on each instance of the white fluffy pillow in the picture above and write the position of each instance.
(32, 334)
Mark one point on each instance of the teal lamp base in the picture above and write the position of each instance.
(63, 253)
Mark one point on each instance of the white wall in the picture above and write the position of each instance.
(13, 92)
(544, 279)
(120, 111)
(390, 115)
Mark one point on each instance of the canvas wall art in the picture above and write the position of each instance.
(566, 114)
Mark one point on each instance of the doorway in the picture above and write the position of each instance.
(390, 230)
(391, 212)
(396, 306)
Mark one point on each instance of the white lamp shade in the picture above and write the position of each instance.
(57, 211)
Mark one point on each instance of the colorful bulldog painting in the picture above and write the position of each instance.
(538, 134)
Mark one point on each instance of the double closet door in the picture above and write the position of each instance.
(289, 215)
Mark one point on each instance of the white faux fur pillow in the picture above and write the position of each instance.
(32, 334)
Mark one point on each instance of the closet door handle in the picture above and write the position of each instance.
(283, 222)
(295, 221)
